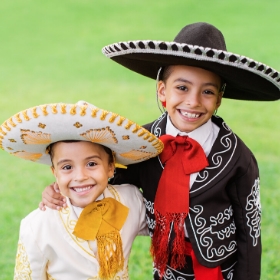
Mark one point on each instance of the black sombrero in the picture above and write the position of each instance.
(200, 45)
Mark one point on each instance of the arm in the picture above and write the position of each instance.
(30, 262)
(245, 195)
(52, 198)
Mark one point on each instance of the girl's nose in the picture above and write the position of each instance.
(80, 175)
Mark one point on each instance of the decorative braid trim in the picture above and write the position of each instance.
(61, 108)
(194, 52)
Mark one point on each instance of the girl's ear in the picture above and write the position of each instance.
(53, 171)
(161, 93)
(111, 170)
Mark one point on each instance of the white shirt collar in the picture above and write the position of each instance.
(200, 134)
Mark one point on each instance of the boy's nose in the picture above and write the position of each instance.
(192, 98)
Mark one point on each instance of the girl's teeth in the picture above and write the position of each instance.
(82, 189)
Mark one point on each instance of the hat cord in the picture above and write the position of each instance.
(159, 104)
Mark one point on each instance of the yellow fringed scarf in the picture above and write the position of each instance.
(102, 220)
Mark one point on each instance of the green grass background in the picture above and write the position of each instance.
(50, 51)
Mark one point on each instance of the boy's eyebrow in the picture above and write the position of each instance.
(205, 84)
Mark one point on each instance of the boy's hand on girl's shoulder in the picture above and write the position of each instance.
(52, 198)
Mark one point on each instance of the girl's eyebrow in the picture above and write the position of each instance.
(70, 160)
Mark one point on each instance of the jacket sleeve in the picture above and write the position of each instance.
(30, 261)
(245, 196)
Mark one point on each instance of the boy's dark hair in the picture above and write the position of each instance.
(49, 150)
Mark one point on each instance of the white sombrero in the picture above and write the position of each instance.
(28, 133)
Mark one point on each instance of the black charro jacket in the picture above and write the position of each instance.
(224, 216)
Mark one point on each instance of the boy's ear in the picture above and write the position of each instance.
(161, 92)
(219, 100)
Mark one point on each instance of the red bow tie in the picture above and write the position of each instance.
(181, 157)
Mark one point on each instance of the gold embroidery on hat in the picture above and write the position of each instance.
(73, 110)
(33, 137)
(54, 109)
(25, 116)
(143, 147)
(113, 117)
(27, 155)
(94, 112)
(2, 131)
(125, 137)
(5, 125)
(10, 121)
(44, 110)
(83, 110)
(12, 140)
(137, 155)
(103, 135)
(129, 124)
(63, 108)
(9, 148)
(41, 125)
(18, 119)
(136, 128)
(34, 113)
(158, 145)
(120, 121)
(77, 124)
(142, 132)
(146, 137)
(103, 115)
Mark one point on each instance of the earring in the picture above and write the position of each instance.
(110, 178)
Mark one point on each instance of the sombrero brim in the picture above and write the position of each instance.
(28, 133)
(246, 79)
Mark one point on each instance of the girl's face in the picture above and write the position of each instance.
(191, 94)
(81, 170)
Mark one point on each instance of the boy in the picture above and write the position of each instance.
(203, 215)
(92, 237)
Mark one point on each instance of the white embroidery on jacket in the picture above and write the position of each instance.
(253, 215)
(217, 159)
(203, 237)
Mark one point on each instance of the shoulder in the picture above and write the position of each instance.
(130, 194)
(37, 219)
(157, 126)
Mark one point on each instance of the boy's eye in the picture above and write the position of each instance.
(182, 88)
(67, 167)
(208, 92)
(91, 163)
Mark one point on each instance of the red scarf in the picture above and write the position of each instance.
(182, 156)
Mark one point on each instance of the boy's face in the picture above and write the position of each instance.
(82, 170)
(191, 94)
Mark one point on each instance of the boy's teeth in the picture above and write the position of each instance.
(82, 189)
(190, 115)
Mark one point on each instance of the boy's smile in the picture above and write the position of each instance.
(191, 94)
(82, 170)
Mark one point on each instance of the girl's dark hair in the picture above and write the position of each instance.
(50, 151)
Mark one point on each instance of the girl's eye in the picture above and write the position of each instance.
(67, 167)
(91, 164)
